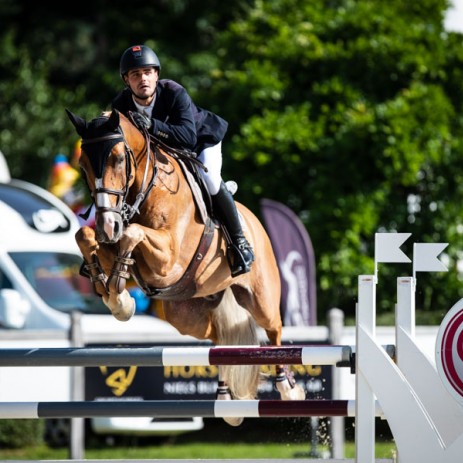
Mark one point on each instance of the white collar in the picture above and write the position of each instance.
(145, 109)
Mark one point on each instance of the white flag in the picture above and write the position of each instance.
(387, 247)
(425, 257)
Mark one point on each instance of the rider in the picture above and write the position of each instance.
(168, 112)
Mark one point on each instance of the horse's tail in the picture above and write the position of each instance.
(235, 326)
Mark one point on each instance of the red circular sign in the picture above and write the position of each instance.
(449, 351)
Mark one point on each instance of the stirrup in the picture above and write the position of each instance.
(236, 258)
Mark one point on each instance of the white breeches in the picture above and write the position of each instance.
(212, 158)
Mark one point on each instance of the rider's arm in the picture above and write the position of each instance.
(173, 116)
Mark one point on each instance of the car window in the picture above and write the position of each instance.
(36, 211)
(5, 282)
(55, 276)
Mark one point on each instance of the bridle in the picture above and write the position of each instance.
(126, 211)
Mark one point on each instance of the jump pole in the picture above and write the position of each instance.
(180, 409)
(178, 356)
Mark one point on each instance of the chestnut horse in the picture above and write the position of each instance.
(150, 226)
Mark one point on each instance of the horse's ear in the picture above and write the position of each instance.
(114, 120)
(79, 123)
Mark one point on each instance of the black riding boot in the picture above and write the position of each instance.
(240, 255)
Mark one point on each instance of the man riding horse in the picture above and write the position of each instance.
(164, 108)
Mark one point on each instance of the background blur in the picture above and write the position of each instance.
(347, 111)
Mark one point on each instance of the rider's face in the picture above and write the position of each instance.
(142, 82)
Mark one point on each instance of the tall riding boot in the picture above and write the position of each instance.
(240, 255)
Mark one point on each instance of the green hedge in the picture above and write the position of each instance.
(21, 433)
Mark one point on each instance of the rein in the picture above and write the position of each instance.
(129, 211)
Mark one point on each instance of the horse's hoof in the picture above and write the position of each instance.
(232, 421)
(288, 392)
(223, 393)
(124, 307)
(126, 313)
(297, 393)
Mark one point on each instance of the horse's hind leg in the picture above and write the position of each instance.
(267, 315)
(284, 380)
(235, 326)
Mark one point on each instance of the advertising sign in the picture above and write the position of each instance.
(296, 261)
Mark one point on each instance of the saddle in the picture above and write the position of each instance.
(191, 169)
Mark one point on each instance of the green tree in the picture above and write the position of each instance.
(346, 111)
(53, 58)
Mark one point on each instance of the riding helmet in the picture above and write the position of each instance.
(138, 56)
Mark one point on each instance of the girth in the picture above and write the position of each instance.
(186, 287)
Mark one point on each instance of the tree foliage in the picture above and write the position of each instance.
(348, 111)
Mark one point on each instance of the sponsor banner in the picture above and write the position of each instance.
(296, 261)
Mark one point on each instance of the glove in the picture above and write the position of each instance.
(141, 121)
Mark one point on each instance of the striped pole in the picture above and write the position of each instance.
(177, 356)
(179, 409)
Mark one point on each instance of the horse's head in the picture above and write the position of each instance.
(106, 163)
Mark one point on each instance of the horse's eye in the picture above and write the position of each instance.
(118, 158)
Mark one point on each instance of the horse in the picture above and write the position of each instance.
(150, 225)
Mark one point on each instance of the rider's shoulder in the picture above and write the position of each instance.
(171, 85)
(122, 99)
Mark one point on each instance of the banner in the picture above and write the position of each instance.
(296, 261)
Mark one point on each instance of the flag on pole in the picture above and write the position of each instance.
(425, 257)
(296, 262)
(387, 247)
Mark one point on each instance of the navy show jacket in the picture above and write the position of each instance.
(176, 119)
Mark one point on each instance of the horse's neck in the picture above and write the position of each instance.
(170, 194)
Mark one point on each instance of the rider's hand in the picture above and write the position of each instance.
(141, 121)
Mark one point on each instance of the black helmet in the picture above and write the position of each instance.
(138, 56)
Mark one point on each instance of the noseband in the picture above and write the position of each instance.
(125, 210)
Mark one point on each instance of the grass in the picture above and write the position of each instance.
(271, 439)
(199, 450)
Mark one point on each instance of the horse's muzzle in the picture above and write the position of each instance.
(109, 227)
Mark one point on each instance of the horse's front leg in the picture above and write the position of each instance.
(92, 268)
(155, 246)
(156, 254)
(121, 305)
